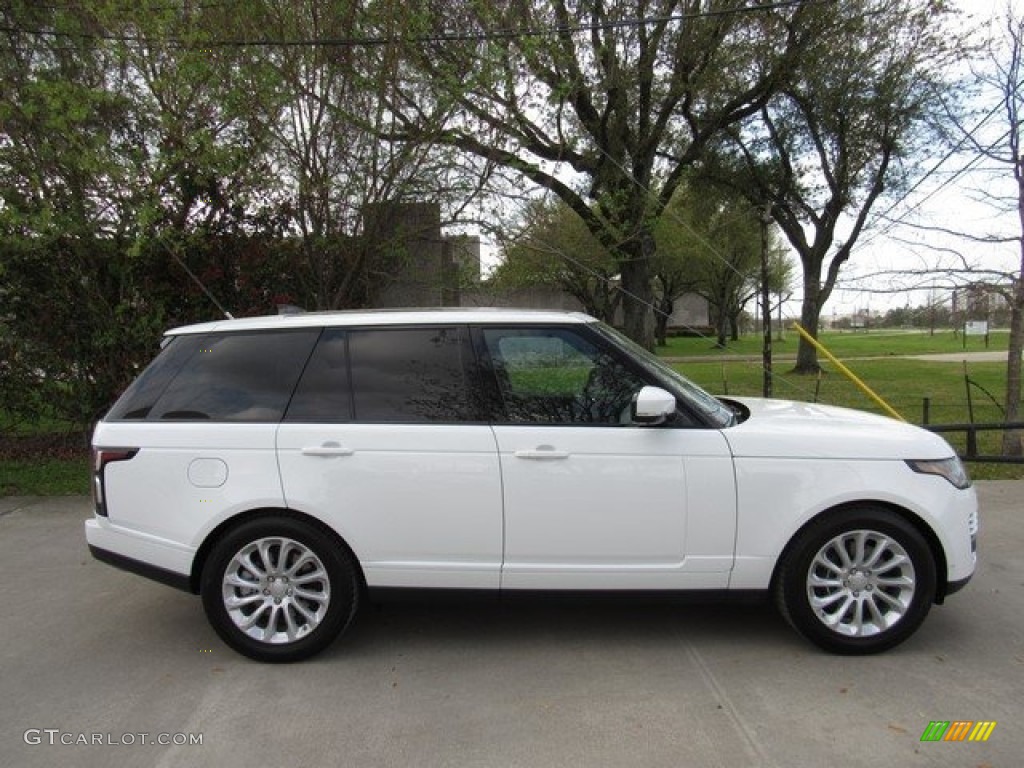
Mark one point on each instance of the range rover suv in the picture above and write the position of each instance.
(287, 468)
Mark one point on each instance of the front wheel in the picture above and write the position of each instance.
(858, 581)
(278, 589)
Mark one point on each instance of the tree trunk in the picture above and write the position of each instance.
(806, 354)
(721, 327)
(638, 293)
(1012, 438)
(661, 319)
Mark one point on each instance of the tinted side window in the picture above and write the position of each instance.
(410, 375)
(324, 394)
(238, 377)
(556, 376)
(137, 401)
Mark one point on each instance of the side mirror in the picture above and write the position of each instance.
(652, 405)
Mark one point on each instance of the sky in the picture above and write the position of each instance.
(959, 193)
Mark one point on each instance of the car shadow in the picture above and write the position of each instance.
(410, 625)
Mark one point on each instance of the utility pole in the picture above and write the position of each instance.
(764, 214)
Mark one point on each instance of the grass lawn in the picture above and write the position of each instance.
(44, 476)
(843, 344)
(904, 384)
(48, 459)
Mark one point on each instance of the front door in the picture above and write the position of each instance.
(593, 500)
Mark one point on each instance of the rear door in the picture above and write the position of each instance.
(385, 442)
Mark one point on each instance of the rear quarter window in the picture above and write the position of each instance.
(237, 377)
(140, 397)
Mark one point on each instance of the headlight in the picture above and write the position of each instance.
(952, 469)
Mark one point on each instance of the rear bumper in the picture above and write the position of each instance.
(171, 579)
(150, 556)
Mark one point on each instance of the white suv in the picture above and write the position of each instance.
(286, 468)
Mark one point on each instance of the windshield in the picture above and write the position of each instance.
(707, 405)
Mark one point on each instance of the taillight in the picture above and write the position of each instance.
(100, 458)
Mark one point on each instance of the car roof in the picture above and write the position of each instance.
(384, 317)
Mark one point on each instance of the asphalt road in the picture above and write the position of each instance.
(96, 655)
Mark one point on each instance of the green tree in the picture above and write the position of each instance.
(841, 130)
(556, 248)
(711, 238)
(126, 150)
(707, 243)
(605, 104)
(676, 266)
(71, 302)
(728, 256)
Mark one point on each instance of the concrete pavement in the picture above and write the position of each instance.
(91, 653)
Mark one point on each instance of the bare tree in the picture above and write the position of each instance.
(1001, 78)
(1007, 80)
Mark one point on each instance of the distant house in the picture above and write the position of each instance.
(981, 301)
(416, 264)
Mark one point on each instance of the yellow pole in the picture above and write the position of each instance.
(848, 373)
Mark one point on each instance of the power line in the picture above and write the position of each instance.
(183, 6)
(893, 222)
(440, 38)
(968, 136)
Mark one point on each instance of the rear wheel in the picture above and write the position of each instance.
(278, 589)
(858, 581)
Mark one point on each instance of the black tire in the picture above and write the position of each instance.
(857, 581)
(295, 587)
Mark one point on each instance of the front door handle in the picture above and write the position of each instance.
(542, 452)
(327, 450)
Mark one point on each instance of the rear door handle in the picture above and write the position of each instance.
(327, 450)
(542, 452)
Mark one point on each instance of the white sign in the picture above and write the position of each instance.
(976, 328)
